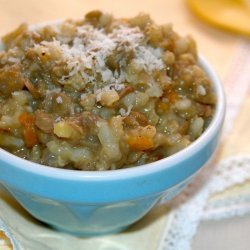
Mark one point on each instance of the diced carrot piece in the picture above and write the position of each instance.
(162, 106)
(30, 137)
(139, 142)
(25, 118)
(29, 133)
(172, 97)
(170, 94)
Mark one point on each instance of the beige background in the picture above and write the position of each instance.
(218, 47)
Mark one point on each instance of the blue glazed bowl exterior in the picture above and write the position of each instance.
(93, 203)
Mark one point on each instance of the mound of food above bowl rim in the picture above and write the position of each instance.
(101, 93)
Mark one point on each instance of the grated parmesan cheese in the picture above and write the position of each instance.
(59, 99)
(148, 58)
(89, 50)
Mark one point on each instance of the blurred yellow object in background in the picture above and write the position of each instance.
(231, 15)
(5, 243)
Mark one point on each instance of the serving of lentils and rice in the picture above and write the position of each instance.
(101, 93)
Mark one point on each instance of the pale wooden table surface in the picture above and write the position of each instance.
(218, 47)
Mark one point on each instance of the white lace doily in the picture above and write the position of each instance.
(190, 207)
